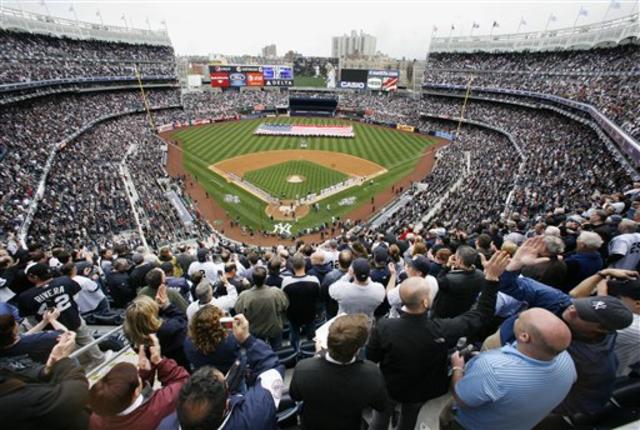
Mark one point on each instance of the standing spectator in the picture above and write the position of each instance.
(174, 283)
(345, 258)
(586, 261)
(303, 292)
(53, 396)
(140, 270)
(58, 293)
(320, 266)
(274, 279)
(230, 277)
(314, 380)
(206, 403)
(35, 343)
(551, 270)
(208, 343)
(117, 401)
(154, 279)
(355, 292)
(517, 385)
(146, 316)
(167, 257)
(184, 259)
(458, 284)
(118, 284)
(90, 299)
(204, 296)
(204, 263)
(593, 322)
(419, 267)
(624, 249)
(412, 350)
(265, 308)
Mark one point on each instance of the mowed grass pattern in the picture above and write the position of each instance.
(203, 146)
(273, 179)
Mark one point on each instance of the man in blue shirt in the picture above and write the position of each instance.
(518, 385)
(593, 322)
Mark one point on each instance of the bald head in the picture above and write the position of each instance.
(415, 294)
(542, 334)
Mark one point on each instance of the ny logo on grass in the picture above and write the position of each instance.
(281, 228)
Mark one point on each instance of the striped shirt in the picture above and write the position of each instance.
(627, 245)
(628, 347)
(505, 389)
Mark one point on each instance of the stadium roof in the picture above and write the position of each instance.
(603, 34)
(18, 20)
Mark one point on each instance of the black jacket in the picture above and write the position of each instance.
(315, 381)
(457, 292)
(120, 289)
(413, 350)
(37, 402)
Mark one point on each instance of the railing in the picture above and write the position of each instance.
(582, 37)
(14, 19)
(46, 83)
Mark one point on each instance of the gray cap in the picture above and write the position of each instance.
(609, 311)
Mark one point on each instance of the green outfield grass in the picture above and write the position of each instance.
(203, 146)
(273, 179)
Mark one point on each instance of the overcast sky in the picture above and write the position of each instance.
(403, 28)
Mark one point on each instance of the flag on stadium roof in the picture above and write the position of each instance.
(553, 18)
(583, 11)
(475, 25)
(495, 24)
(523, 22)
(615, 4)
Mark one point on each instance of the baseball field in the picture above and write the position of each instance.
(223, 156)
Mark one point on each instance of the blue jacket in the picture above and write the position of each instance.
(581, 265)
(256, 409)
(595, 361)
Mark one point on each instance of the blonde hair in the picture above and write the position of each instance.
(141, 319)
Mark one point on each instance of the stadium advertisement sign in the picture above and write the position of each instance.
(405, 127)
(254, 79)
(385, 80)
(220, 79)
(278, 76)
(237, 79)
(354, 78)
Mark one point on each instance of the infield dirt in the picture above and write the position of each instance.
(220, 219)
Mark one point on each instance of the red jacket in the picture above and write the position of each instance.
(153, 410)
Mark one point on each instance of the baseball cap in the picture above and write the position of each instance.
(609, 311)
(624, 288)
(421, 264)
(39, 270)
(7, 309)
(380, 255)
(361, 269)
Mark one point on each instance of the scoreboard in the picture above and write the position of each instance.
(225, 76)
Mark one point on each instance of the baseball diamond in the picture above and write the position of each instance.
(212, 152)
(274, 179)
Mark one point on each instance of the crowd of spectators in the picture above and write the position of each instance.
(33, 57)
(552, 305)
(215, 104)
(86, 201)
(607, 78)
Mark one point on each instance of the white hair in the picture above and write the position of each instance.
(554, 245)
(552, 231)
(590, 239)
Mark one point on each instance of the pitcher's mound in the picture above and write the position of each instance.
(295, 179)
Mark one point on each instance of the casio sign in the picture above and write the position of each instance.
(353, 85)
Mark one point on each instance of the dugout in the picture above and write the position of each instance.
(312, 106)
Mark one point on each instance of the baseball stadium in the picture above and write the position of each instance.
(230, 161)
(248, 215)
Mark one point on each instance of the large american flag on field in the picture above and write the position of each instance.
(304, 130)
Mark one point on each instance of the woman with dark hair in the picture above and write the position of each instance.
(208, 343)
